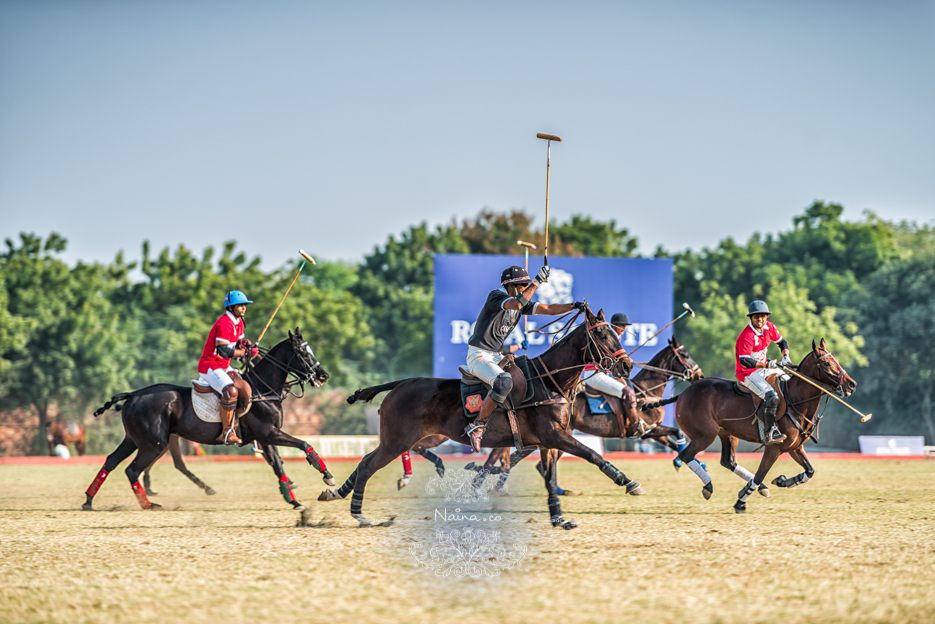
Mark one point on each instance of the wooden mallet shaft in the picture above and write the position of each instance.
(305, 258)
(548, 167)
(863, 417)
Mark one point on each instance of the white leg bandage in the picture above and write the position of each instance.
(748, 490)
(743, 473)
(698, 470)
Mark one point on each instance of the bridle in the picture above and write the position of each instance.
(301, 351)
(839, 382)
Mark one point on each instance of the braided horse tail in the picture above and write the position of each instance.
(650, 406)
(115, 402)
(117, 399)
(367, 394)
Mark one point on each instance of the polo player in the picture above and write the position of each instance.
(497, 319)
(226, 341)
(600, 381)
(753, 368)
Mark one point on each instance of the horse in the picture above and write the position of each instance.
(712, 408)
(422, 406)
(628, 418)
(151, 415)
(65, 433)
(422, 448)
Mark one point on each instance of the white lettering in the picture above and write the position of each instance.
(629, 339)
(460, 332)
(533, 338)
(515, 337)
(647, 330)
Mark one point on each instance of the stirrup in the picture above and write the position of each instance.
(774, 436)
(226, 437)
(470, 430)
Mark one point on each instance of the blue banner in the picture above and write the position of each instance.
(641, 288)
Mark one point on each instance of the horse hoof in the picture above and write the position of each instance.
(557, 521)
(327, 477)
(763, 490)
(707, 491)
(210, 491)
(676, 463)
(87, 507)
(740, 507)
(401, 484)
(635, 489)
(471, 466)
(154, 507)
(441, 472)
(778, 481)
(327, 496)
(363, 521)
(568, 526)
(298, 507)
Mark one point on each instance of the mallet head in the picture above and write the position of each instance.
(689, 308)
(548, 137)
(306, 256)
(866, 418)
(525, 244)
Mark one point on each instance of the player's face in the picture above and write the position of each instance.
(239, 310)
(620, 329)
(759, 321)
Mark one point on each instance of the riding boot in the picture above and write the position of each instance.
(476, 429)
(228, 435)
(773, 434)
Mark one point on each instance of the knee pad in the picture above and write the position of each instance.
(772, 403)
(229, 397)
(501, 387)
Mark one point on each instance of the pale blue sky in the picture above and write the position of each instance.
(329, 126)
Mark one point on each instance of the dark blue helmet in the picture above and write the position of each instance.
(234, 297)
(758, 307)
(620, 319)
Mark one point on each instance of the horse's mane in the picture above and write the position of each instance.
(557, 344)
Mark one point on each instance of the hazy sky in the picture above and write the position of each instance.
(329, 126)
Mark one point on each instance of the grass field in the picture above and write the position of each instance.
(856, 544)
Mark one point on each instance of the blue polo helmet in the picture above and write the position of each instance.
(235, 297)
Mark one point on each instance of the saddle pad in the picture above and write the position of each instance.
(472, 395)
(207, 406)
(72, 428)
(599, 405)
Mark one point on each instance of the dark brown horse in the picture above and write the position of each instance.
(712, 408)
(151, 415)
(419, 407)
(627, 419)
(65, 433)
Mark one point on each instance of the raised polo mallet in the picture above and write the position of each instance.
(548, 158)
(305, 258)
(528, 246)
(688, 310)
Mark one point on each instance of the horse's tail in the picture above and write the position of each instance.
(650, 406)
(367, 394)
(114, 402)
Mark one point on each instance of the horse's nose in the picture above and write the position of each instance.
(851, 385)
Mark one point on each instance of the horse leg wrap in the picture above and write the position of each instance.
(357, 502)
(798, 480)
(97, 483)
(700, 471)
(285, 490)
(141, 495)
(747, 490)
(743, 473)
(312, 456)
(407, 465)
(501, 482)
(345, 489)
(611, 471)
(555, 511)
(681, 443)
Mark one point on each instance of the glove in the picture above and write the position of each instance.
(581, 306)
(772, 364)
(524, 345)
(785, 360)
(542, 277)
(252, 351)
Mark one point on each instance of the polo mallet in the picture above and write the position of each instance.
(528, 246)
(863, 417)
(306, 258)
(688, 310)
(548, 158)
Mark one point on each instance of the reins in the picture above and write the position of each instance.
(271, 394)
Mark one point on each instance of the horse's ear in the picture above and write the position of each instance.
(600, 314)
(814, 346)
(290, 334)
(298, 334)
(822, 344)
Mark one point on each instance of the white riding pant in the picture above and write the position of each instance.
(604, 383)
(217, 378)
(484, 364)
(757, 383)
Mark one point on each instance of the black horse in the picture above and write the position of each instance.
(152, 414)
(421, 406)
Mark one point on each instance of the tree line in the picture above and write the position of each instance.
(72, 335)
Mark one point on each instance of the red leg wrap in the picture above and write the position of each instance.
(407, 464)
(140, 495)
(285, 490)
(97, 483)
(315, 460)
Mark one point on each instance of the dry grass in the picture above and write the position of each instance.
(857, 544)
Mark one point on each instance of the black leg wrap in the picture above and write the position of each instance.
(345, 489)
(357, 502)
(555, 511)
(614, 473)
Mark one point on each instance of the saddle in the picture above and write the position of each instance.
(244, 396)
(758, 405)
(600, 403)
(474, 391)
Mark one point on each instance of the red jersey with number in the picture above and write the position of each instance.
(228, 329)
(753, 343)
